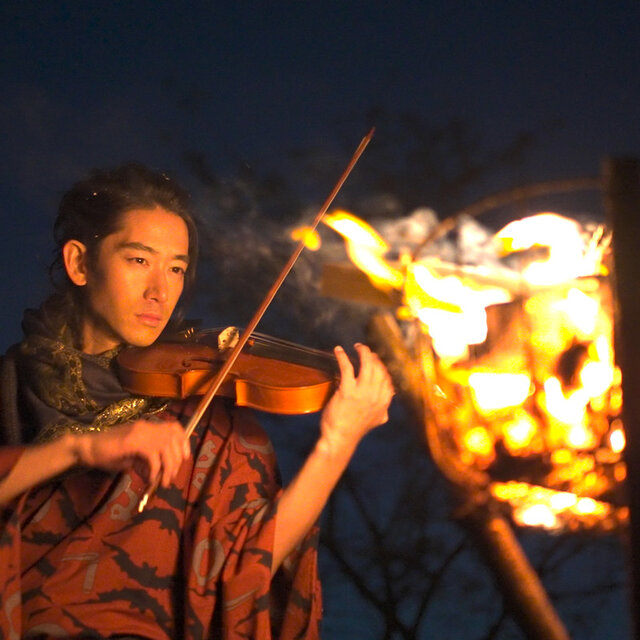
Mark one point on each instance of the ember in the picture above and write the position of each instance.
(518, 354)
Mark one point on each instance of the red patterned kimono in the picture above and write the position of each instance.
(77, 560)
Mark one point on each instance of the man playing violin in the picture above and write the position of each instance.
(220, 551)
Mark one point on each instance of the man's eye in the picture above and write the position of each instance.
(137, 260)
(179, 270)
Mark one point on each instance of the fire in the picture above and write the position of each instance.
(307, 235)
(365, 248)
(617, 439)
(520, 434)
(524, 363)
(453, 313)
(568, 255)
(493, 391)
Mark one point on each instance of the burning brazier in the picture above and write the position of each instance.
(523, 391)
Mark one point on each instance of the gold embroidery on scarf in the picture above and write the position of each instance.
(117, 413)
(56, 375)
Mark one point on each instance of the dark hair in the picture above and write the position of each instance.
(92, 209)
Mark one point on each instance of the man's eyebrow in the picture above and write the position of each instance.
(139, 246)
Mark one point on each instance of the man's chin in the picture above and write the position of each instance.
(145, 338)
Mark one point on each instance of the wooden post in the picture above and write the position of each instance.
(621, 178)
(519, 583)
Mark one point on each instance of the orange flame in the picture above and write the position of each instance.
(366, 249)
(568, 256)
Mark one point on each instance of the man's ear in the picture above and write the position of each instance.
(74, 254)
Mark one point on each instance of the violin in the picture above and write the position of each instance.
(269, 374)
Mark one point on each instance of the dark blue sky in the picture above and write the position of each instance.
(94, 84)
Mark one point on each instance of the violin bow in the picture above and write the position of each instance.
(205, 401)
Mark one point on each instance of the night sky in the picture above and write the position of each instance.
(88, 84)
(95, 84)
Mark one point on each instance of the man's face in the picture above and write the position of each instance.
(134, 282)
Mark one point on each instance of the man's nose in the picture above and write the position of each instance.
(157, 287)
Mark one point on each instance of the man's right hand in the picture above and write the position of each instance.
(157, 448)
